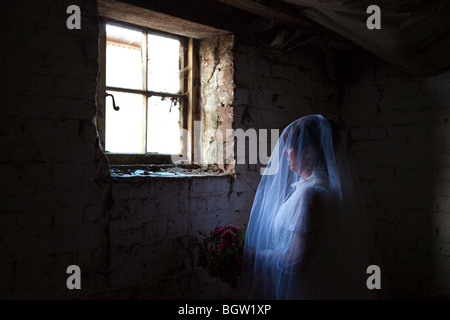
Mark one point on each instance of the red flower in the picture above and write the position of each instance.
(217, 231)
(227, 234)
(222, 247)
(221, 253)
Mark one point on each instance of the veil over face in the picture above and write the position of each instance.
(304, 239)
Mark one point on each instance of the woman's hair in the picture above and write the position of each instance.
(310, 129)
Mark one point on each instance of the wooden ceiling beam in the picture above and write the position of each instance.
(335, 5)
(208, 13)
(287, 14)
(275, 10)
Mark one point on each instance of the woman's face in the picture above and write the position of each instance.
(299, 166)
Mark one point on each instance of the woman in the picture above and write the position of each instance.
(303, 239)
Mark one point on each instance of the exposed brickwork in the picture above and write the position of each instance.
(399, 141)
(53, 175)
(59, 205)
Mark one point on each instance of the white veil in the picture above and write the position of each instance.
(304, 239)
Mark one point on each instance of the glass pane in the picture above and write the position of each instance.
(163, 64)
(124, 67)
(163, 126)
(125, 129)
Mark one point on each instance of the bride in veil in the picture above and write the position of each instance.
(304, 238)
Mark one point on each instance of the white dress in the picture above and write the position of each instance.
(292, 223)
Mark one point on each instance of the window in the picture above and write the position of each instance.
(146, 93)
(173, 113)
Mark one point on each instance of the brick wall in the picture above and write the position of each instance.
(52, 173)
(399, 141)
(153, 220)
(273, 89)
(59, 205)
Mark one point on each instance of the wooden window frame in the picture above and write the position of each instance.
(188, 99)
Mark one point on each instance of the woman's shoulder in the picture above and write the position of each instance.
(315, 190)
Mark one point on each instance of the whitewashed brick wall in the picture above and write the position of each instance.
(51, 169)
(58, 204)
(152, 221)
(399, 141)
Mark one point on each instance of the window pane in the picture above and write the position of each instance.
(163, 64)
(125, 129)
(163, 126)
(124, 67)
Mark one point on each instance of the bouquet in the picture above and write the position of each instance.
(220, 253)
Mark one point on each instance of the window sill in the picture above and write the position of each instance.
(141, 172)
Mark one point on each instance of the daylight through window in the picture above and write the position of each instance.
(144, 76)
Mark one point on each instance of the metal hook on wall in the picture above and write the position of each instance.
(113, 101)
